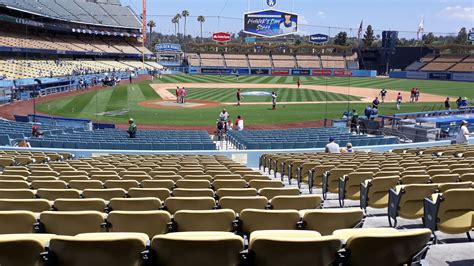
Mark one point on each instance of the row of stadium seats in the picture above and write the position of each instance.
(78, 138)
(23, 68)
(300, 138)
(451, 63)
(273, 61)
(361, 247)
(104, 13)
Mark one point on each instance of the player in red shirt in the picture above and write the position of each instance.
(298, 83)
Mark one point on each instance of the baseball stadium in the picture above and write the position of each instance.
(235, 129)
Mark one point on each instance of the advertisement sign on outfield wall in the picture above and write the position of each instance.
(440, 75)
(260, 71)
(270, 23)
(463, 76)
(321, 72)
(225, 71)
(342, 73)
(301, 72)
(416, 75)
(281, 72)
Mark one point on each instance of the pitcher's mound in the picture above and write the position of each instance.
(175, 105)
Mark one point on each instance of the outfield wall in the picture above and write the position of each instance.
(469, 77)
(282, 72)
(247, 157)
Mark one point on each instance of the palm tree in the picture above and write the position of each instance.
(178, 18)
(201, 20)
(174, 21)
(185, 14)
(151, 24)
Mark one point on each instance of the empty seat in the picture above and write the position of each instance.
(270, 193)
(455, 185)
(229, 183)
(120, 249)
(406, 201)
(383, 248)
(237, 204)
(325, 221)
(258, 184)
(191, 192)
(236, 192)
(105, 194)
(195, 183)
(197, 248)
(23, 249)
(374, 192)
(70, 222)
(56, 184)
(349, 185)
(252, 220)
(168, 184)
(17, 222)
(80, 205)
(151, 223)
(445, 178)
(32, 205)
(299, 202)
(85, 184)
(123, 184)
(198, 177)
(160, 193)
(292, 247)
(173, 177)
(53, 194)
(174, 204)
(14, 184)
(204, 220)
(250, 177)
(450, 212)
(135, 204)
(227, 177)
(17, 194)
(68, 179)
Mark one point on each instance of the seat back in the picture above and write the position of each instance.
(154, 222)
(71, 222)
(22, 249)
(80, 205)
(105, 194)
(236, 192)
(326, 221)
(32, 205)
(54, 194)
(378, 190)
(270, 193)
(411, 202)
(193, 183)
(333, 178)
(414, 179)
(456, 203)
(191, 192)
(353, 180)
(174, 204)
(229, 183)
(300, 202)
(160, 193)
(253, 220)
(237, 204)
(259, 184)
(17, 194)
(135, 204)
(214, 220)
(17, 222)
(375, 249)
(99, 249)
(300, 247)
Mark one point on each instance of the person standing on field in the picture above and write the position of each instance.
(383, 93)
(447, 104)
(298, 83)
(238, 97)
(274, 100)
(399, 100)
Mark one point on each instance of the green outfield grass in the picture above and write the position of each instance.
(284, 95)
(122, 101)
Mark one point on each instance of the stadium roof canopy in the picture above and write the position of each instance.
(109, 13)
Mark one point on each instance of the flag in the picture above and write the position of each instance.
(359, 33)
(421, 28)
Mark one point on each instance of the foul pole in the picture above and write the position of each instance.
(143, 31)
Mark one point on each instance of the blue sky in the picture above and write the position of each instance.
(441, 16)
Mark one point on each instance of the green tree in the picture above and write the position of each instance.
(151, 24)
(201, 20)
(462, 36)
(185, 14)
(369, 37)
(175, 22)
(429, 38)
(341, 38)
